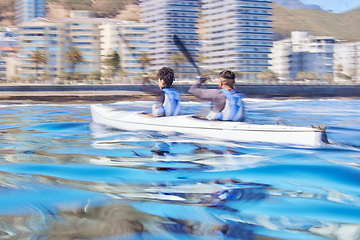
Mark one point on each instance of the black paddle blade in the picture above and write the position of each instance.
(185, 52)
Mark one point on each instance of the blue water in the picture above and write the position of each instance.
(64, 177)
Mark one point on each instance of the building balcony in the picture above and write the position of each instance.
(254, 45)
(242, 18)
(254, 64)
(185, 10)
(244, 6)
(254, 13)
(182, 16)
(253, 51)
(258, 1)
(253, 39)
(254, 58)
(254, 33)
(184, 4)
(255, 26)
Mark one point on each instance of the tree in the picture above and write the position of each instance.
(311, 76)
(95, 75)
(177, 59)
(268, 74)
(38, 57)
(301, 75)
(113, 62)
(352, 72)
(144, 60)
(343, 76)
(328, 78)
(74, 56)
(339, 68)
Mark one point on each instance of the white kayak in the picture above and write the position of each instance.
(187, 124)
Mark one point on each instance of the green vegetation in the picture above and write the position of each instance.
(112, 61)
(38, 57)
(144, 60)
(74, 56)
(268, 75)
(104, 8)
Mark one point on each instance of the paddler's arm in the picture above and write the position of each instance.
(204, 94)
(160, 95)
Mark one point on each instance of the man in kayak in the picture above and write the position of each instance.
(227, 104)
(168, 100)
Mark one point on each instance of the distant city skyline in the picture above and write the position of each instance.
(337, 6)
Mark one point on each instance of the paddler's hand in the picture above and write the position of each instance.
(203, 78)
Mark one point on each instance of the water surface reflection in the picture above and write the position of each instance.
(63, 177)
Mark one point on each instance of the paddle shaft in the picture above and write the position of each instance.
(185, 52)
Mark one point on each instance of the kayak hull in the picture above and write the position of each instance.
(232, 131)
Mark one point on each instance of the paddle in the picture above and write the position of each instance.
(186, 53)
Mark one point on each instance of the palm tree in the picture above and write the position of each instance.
(177, 59)
(311, 76)
(113, 62)
(74, 56)
(38, 57)
(144, 60)
(301, 75)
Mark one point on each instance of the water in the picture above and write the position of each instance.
(63, 177)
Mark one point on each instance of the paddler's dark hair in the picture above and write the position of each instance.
(227, 74)
(228, 78)
(166, 74)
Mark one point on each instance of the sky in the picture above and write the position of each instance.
(337, 6)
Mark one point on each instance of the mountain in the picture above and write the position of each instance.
(317, 22)
(296, 4)
(320, 23)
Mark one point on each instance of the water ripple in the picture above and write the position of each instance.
(63, 177)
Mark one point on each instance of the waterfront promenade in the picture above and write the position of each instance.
(28, 94)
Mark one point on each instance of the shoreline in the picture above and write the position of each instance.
(92, 94)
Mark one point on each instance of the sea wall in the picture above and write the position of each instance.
(258, 91)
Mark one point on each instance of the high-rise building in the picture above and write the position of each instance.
(27, 10)
(303, 53)
(128, 39)
(94, 38)
(165, 18)
(347, 61)
(45, 36)
(83, 34)
(238, 36)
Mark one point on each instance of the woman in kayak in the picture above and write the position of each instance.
(168, 100)
(227, 104)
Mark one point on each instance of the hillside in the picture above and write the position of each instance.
(296, 4)
(121, 9)
(317, 22)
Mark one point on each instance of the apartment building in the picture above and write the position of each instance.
(27, 10)
(46, 36)
(347, 62)
(55, 39)
(303, 53)
(280, 58)
(129, 40)
(95, 38)
(238, 36)
(83, 33)
(165, 18)
(2, 68)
